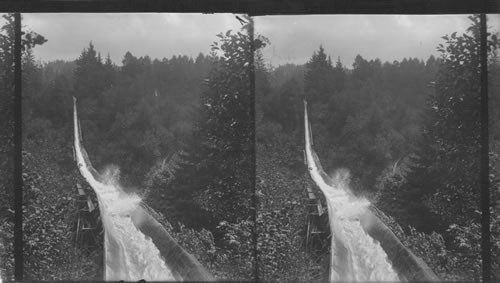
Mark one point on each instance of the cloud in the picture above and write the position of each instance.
(293, 38)
(493, 21)
(157, 35)
(387, 37)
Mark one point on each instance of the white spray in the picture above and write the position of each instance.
(355, 256)
(129, 255)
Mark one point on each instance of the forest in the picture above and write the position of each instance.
(153, 123)
(226, 174)
(409, 133)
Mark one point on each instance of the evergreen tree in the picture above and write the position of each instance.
(29, 40)
(88, 74)
(284, 106)
(444, 181)
(339, 75)
(318, 77)
(220, 153)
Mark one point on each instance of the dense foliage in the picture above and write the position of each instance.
(130, 115)
(408, 131)
(182, 132)
(365, 118)
(281, 222)
(29, 40)
(444, 175)
(494, 130)
(221, 155)
(179, 129)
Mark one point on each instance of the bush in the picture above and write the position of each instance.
(6, 250)
(447, 263)
(281, 217)
(495, 213)
(231, 259)
(48, 214)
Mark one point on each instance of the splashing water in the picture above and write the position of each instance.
(355, 256)
(129, 254)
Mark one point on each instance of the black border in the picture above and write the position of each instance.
(255, 237)
(484, 158)
(258, 7)
(18, 180)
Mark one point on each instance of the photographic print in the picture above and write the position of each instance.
(224, 147)
(138, 147)
(368, 141)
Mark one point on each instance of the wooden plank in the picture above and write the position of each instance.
(90, 204)
(320, 208)
(314, 201)
(310, 193)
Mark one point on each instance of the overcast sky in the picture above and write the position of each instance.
(156, 35)
(387, 37)
(293, 38)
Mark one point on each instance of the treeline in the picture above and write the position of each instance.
(131, 115)
(182, 132)
(408, 131)
(179, 129)
(155, 120)
(365, 118)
